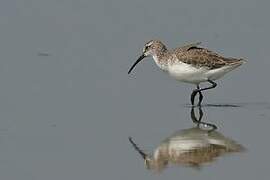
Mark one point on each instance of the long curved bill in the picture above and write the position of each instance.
(139, 59)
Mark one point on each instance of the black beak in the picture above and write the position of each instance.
(143, 154)
(139, 59)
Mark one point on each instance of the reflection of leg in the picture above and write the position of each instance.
(193, 115)
(200, 113)
(198, 121)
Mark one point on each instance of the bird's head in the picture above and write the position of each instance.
(151, 48)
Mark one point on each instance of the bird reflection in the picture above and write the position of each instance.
(191, 147)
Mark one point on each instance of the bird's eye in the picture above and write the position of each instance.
(145, 48)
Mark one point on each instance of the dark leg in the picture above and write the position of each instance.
(200, 97)
(198, 121)
(198, 90)
(194, 93)
(194, 117)
(192, 97)
(211, 87)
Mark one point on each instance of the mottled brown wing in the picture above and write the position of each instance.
(201, 57)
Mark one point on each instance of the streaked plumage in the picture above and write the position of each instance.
(201, 57)
(190, 63)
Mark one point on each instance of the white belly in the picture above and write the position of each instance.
(189, 74)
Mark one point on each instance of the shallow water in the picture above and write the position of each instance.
(68, 105)
(193, 147)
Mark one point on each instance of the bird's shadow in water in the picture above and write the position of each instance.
(221, 105)
(214, 105)
(234, 105)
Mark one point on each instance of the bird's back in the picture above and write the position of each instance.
(202, 57)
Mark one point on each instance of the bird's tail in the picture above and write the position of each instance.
(234, 61)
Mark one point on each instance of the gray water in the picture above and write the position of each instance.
(68, 105)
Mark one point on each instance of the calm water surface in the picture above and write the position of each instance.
(68, 105)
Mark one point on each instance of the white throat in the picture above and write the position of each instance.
(161, 66)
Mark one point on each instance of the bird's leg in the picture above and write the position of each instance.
(192, 96)
(198, 90)
(211, 87)
(203, 89)
(200, 97)
(194, 93)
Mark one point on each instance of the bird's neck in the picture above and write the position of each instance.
(161, 60)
